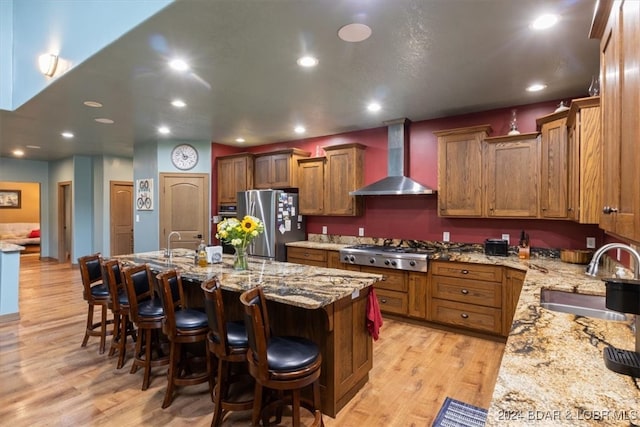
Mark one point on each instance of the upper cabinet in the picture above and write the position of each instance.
(460, 171)
(617, 24)
(325, 182)
(585, 160)
(235, 173)
(277, 169)
(554, 171)
(512, 170)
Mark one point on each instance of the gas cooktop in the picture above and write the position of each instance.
(396, 257)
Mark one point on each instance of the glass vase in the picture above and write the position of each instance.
(240, 261)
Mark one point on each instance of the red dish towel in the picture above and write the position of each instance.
(374, 318)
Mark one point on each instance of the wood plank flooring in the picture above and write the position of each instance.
(47, 379)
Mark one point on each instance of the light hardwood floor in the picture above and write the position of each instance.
(47, 379)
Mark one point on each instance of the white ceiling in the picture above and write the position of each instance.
(425, 59)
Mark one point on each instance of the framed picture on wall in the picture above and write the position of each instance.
(144, 194)
(11, 199)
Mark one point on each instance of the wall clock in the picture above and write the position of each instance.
(184, 156)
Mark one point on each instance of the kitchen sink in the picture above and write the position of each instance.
(578, 304)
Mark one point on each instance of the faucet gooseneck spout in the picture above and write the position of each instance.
(592, 268)
(168, 252)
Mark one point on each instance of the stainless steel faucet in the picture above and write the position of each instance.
(592, 268)
(167, 253)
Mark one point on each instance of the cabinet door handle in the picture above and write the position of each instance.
(607, 210)
(384, 301)
(464, 315)
(464, 292)
(464, 271)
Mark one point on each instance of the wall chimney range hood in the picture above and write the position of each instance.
(396, 182)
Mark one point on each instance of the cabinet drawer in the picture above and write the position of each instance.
(488, 273)
(467, 291)
(306, 254)
(391, 301)
(394, 280)
(487, 319)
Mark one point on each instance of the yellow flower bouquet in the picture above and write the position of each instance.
(239, 234)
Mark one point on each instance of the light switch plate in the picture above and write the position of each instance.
(361, 231)
(591, 242)
(507, 238)
(445, 236)
(324, 229)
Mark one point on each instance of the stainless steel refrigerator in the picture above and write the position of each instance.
(278, 210)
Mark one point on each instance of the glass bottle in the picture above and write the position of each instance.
(594, 87)
(202, 254)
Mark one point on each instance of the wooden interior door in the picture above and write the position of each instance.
(184, 207)
(121, 217)
(64, 222)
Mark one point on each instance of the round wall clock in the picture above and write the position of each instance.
(184, 156)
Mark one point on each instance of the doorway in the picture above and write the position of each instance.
(121, 217)
(184, 207)
(64, 222)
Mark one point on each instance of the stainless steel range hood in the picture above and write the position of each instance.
(396, 182)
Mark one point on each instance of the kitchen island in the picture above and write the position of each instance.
(325, 305)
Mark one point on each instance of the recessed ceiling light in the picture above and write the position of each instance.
(92, 104)
(104, 120)
(299, 129)
(164, 130)
(35, 147)
(67, 134)
(178, 103)
(373, 107)
(179, 65)
(307, 61)
(240, 140)
(354, 33)
(545, 21)
(536, 87)
(18, 153)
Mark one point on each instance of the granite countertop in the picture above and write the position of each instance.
(10, 247)
(293, 284)
(552, 370)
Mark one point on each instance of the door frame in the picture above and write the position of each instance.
(112, 185)
(62, 220)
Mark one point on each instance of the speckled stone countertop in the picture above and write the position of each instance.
(10, 247)
(552, 371)
(293, 284)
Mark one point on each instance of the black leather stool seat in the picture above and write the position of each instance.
(150, 308)
(237, 334)
(188, 318)
(100, 291)
(123, 299)
(286, 354)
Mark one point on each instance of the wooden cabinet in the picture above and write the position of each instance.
(617, 24)
(460, 171)
(277, 169)
(467, 295)
(554, 171)
(235, 173)
(514, 279)
(417, 295)
(392, 291)
(311, 185)
(585, 160)
(325, 182)
(511, 164)
(307, 256)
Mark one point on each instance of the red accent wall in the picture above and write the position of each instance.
(416, 217)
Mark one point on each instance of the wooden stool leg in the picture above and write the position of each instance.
(122, 342)
(174, 371)
(295, 407)
(257, 404)
(103, 328)
(147, 359)
(217, 395)
(141, 337)
(89, 325)
(115, 336)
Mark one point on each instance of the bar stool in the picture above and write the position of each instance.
(279, 363)
(182, 325)
(147, 314)
(113, 277)
(95, 292)
(228, 342)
